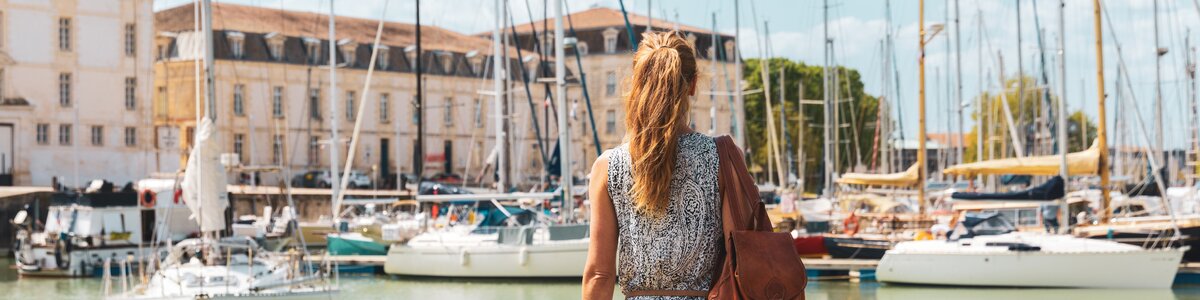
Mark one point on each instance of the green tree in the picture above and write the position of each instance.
(859, 110)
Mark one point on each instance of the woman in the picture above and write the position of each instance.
(656, 196)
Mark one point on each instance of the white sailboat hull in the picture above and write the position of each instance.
(1084, 268)
(563, 259)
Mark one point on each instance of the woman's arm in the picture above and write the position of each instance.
(601, 268)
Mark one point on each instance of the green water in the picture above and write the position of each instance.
(386, 287)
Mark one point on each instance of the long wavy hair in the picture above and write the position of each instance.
(656, 112)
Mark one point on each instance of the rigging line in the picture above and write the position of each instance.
(583, 81)
(1046, 101)
(529, 94)
(543, 68)
(633, 45)
(345, 178)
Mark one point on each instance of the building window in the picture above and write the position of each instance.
(448, 113)
(238, 141)
(349, 51)
(130, 93)
(383, 57)
(64, 134)
(97, 135)
(43, 134)
(277, 149)
(478, 113)
(350, 106)
(610, 40)
(64, 89)
(237, 43)
(2, 27)
(610, 83)
(729, 51)
(610, 122)
(277, 102)
(314, 50)
(314, 104)
(1, 77)
(239, 101)
(275, 45)
(582, 47)
(314, 150)
(130, 40)
(415, 118)
(64, 34)
(130, 136)
(385, 108)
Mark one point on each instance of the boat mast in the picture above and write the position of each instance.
(772, 140)
(958, 103)
(334, 142)
(498, 89)
(1062, 113)
(828, 128)
(1195, 130)
(1101, 129)
(564, 138)
(739, 114)
(419, 152)
(1159, 150)
(921, 114)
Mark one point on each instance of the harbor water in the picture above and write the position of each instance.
(387, 287)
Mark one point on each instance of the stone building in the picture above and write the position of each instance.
(272, 87)
(602, 41)
(75, 85)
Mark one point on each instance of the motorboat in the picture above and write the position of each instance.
(508, 242)
(83, 228)
(985, 250)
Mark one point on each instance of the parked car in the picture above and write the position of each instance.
(322, 179)
(446, 178)
(312, 179)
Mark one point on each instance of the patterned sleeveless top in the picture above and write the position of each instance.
(680, 250)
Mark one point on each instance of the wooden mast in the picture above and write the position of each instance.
(1102, 131)
(921, 115)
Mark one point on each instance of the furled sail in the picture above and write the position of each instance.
(1085, 162)
(204, 180)
(907, 178)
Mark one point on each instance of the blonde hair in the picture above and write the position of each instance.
(656, 112)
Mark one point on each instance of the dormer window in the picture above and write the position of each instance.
(275, 45)
(712, 52)
(384, 57)
(610, 40)
(237, 43)
(410, 53)
(313, 47)
(547, 43)
(691, 38)
(729, 49)
(447, 61)
(349, 51)
(475, 62)
(582, 47)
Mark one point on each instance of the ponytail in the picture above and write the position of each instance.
(656, 110)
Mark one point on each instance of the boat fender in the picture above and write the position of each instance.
(523, 256)
(463, 257)
(850, 225)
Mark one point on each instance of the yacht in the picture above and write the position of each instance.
(985, 250)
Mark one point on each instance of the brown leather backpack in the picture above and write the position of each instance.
(758, 263)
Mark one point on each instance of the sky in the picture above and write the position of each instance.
(857, 26)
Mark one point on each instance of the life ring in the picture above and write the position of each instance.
(850, 225)
(147, 198)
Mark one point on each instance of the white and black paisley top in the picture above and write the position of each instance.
(680, 250)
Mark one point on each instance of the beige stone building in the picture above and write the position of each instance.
(75, 83)
(604, 47)
(272, 87)
(272, 94)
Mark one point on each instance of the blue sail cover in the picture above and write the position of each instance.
(1052, 189)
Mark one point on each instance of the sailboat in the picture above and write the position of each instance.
(514, 239)
(210, 267)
